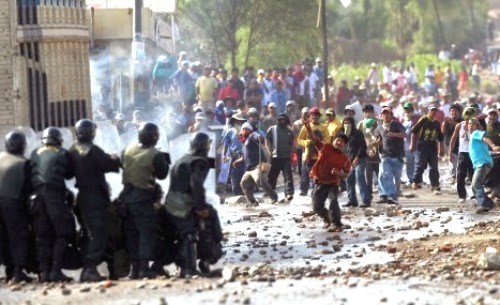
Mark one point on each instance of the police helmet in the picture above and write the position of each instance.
(15, 142)
(200, 144)
(149, 134)
(85, 130)
(52, 136)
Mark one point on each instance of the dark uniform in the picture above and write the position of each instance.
(93, 196)
(185, 201)
(15, 186)
(54, 222)
(142, 164)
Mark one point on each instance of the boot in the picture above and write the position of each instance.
(90, 274)
(189, 256)
(111, 270)
(44, 276)
(56, 275)
(204, 267)
(9, 272)
(144, 271)
(134, 274)
(157, 268)
(20, 276)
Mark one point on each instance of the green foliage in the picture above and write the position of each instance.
(266, 33)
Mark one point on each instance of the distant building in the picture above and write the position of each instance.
(44, 63)
(113, 53)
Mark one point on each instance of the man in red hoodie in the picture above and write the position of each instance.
(332, 165)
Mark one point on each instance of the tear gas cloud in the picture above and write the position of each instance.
(111, 142)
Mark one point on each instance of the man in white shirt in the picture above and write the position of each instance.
(387, 73)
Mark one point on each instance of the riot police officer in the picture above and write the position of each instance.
(185, 201)
(90, 163)
(142, 165)
(53, 220)
(15, 186)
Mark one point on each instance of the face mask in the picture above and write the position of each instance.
(347, 129)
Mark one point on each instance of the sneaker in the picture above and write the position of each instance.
(461, 200)
(365, 205)
(303, 194)
(335, 228)
(289, 198)
(274, 201)
(416, 186)
(381, 200)
(392, 201)
(482, 210)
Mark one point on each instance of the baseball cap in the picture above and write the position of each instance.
(386, 109)
(318, 59)
(314, 110)
(199, 116)
(493, 110)
(407, 105)
(330, 111)
(247, 126)
(219, 103)
(348, 108)
(290, 103)
(271, 105)
(305, 110)
(253, 111)
(432, 106)
(261, 71)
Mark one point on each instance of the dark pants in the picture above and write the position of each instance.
(464, 170)
(372, 170)
(54, 226)
(320, 193)
(92, 206)
(139, 224)
(305, 180)
(427, 156)
(14, 223)
(210, 237)
(187, 232)
(281, 165)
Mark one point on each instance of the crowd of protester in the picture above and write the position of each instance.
(391, 122)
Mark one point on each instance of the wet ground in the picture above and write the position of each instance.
(276, 255)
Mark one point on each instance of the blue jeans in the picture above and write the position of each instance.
(389, 179)
(357, 176)
(236, 174)
(410, 164)
(305, 180)
(480, 174)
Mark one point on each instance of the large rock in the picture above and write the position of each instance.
(236, 200)
(490, 259)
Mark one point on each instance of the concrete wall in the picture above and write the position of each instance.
(44, 65)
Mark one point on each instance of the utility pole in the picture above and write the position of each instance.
(140, 72)
(325, 50)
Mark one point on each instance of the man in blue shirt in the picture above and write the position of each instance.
(233, 150)
(278, 97)
(482, 163)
